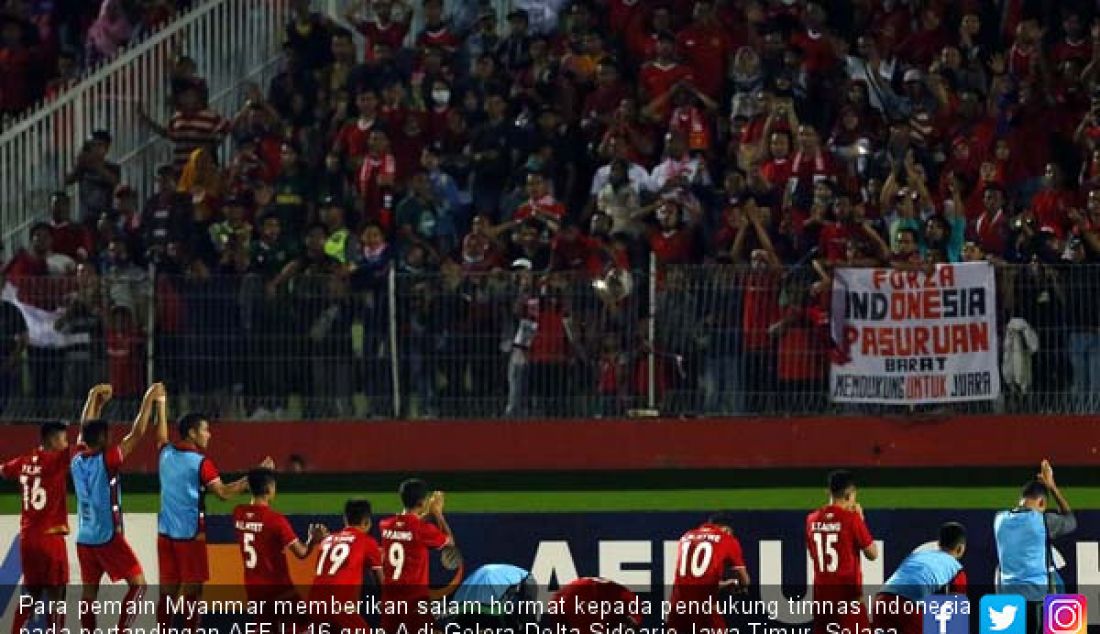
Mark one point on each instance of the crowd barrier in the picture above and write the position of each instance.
(674, 341)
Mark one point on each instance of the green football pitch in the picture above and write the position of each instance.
(549, 501)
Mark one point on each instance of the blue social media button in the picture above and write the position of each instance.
(946, 614)
(1003, 614)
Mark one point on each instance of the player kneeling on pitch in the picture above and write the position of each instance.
(922, 574)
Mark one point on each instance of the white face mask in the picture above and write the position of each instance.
(441, 97)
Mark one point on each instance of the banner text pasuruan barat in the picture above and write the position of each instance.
(909, 296)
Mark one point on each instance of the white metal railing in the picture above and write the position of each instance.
(231, 41)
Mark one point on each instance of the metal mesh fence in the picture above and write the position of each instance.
(680, 341)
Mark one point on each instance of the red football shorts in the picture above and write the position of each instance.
(413, 620)
(45, 560)
(341, 595)
(182, 560)
(115, 559)
(854, 620)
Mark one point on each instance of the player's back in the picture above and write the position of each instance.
(98, 494)
(42, 480)
(702, 557)
(263, 535)
(180, 467)
(925, 573)
(346, 556)
(836, 537)
(584, 590)
(406, 539)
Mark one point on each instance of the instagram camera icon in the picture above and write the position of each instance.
(1065, 614)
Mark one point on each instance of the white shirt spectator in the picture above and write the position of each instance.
(635, 174)
(690, 168)
(542, 15)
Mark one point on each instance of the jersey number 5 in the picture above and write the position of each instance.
(696, 556)
(34, 496)
(827, 558)
(248, 546)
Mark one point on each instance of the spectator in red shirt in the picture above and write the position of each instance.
(541, 207)
(1051, 205)
(922, 47)
(376, 180)
(1074, 43)
(663, 73)
(643, 30)
(674, 241)
(706, 46)
(18, 65)
(436, 32)
(810, 164)
(380, 21)
(352, 140)
(125, 356)
(70, 239)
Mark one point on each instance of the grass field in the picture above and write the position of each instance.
(797, 498)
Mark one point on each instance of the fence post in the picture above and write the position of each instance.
(651, 386)
(150, 326)
(395, 372)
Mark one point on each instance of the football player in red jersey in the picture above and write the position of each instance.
(836, 536)
(702, 559)
(581, 592)
(264, 535)
(346, 556)
(44, 520)
(406, 539)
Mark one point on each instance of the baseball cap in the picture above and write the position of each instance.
(913, 74)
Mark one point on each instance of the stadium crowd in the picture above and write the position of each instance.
(44, 44)
(521, 181)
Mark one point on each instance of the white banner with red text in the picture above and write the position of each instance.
(921, 336)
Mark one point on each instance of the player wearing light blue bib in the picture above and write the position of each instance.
(1023, 535)
(922, 574)
(186, 474)
(100, 545)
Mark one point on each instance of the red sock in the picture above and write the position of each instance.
(189, 602)
(164, 618)
(130, 608)
(87, 616)
(56, 622)
(21, 618)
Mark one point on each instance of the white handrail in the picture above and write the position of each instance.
(231, 41)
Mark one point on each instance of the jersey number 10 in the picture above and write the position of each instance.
(695, 558)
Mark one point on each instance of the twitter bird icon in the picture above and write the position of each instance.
(1003, 614)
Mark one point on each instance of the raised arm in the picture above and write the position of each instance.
(157, 128)
(237, 487)
(162, 420)
(153, 400)
(97, 398)
(317, 532)
(435, 511)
